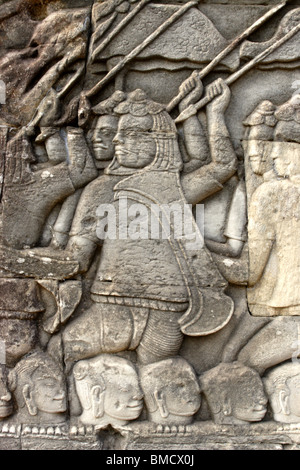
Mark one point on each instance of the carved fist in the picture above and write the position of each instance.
(84, 110)
(192, 88)
(219, 94)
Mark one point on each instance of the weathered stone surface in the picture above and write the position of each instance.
(149, 214)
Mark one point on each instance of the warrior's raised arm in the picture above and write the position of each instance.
(209, 178)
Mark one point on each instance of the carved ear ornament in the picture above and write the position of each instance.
(27, 394)
(161, 402)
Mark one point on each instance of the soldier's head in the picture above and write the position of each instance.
(104, 129)
(234, 393)
(283, 388)
(108, 390)
(286, 146)
(146, 136)
(38, 385)
(259, 136)
(171, 389)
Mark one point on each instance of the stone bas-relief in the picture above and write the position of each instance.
(38, 386)
(171, 391)
(272, 290)
(235, 393)
(149, 184)
(108, 389)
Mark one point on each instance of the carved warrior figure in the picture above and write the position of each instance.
(108, 390)
(72, 162)
(102, 128)
(29, 196)
(34, 188)
(282, 385)
(149, 304)
(274, 218)
(257, 143)
(260, 127)
(279, 333)
(38, 386)
(171, 389)
(234, 393)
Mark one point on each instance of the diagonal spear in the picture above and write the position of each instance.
(120, 65)
(193, 109)
(118, 28)
(227, 50)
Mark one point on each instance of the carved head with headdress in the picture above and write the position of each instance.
(234, 393)
(288, 121)
(282, 384)
(286, 146)
(38, 386)
(146, 137)
(171, 389)
(104, 128)
(259, 132)
(108, 390)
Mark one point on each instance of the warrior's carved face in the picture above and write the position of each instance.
(257, 149)
(102, 138)
(135, 146)
(286, 156)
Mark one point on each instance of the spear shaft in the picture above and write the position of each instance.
(193, 109)
(227, 50)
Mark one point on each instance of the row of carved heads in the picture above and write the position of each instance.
(112, 391)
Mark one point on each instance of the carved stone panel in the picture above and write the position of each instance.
(150, 223)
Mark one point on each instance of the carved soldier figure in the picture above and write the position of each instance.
(99, 137)
(272, 231)
(147, 306)
(260, 126)
(29, 196)
(258, 141)
(273, 218)
(273, 235)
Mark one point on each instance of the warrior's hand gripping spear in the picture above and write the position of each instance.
(193, 109)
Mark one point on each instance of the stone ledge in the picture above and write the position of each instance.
(149, 436)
